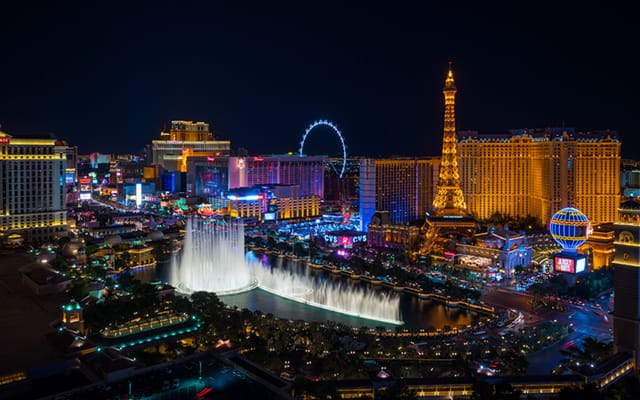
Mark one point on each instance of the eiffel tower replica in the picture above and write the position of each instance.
(449, 213)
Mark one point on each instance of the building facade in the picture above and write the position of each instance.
(539, 171)
(392, 236)
(186, 139)
(32, 188)
(600, 246)
(214, 176)
(405, 187)
(630, 178)
(272, 203)
(626, 264)
(346, 188)
(495, 251)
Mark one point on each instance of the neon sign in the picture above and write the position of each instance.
(564, 265)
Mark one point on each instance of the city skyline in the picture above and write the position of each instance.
(318, 201)
(260, 76)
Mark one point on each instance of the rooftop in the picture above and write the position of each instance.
(43, 276)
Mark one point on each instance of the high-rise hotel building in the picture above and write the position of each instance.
(186, 139)
(213, 176)
(540, 171)
(32, 188)
(405, 187)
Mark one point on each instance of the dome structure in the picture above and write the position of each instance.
(570, 228)
(72, 247)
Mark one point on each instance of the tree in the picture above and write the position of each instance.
(590, 352)
(79, 289)
(304, 388)
(627, 387)
(123, 260)
(298, 250)
(460, 367)
(397, 391)
(584, 392)
(161, 250)
(501, 391)
(515, 362)
(207, 305)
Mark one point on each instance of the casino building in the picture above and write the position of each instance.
(214, 176)
(497, 251)
(402, 186)
(186, 139)
(538, 171)
(32, 188)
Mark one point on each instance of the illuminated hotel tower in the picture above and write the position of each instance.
(449, 207)
(32, 189)
(626, 264)
(186, 139)
(539, 171)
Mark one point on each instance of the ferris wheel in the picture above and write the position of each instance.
(334, 127)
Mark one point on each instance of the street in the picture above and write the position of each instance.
(585, 321)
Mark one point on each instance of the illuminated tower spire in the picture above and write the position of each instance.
(449, 198)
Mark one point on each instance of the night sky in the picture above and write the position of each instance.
(108, 79)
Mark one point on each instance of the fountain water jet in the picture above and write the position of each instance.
(298, 284)
(212, 259)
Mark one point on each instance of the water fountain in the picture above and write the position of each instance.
(213, 260)
(294, 282)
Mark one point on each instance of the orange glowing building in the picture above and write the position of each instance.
(186, 139)
(539, 171)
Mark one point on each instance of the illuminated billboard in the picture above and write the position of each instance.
(564, 265)
(581, 265)
(570, 264)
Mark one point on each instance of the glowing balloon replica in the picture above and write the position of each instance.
(570, 228)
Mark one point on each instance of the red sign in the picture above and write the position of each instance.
(84, 181)
(4, 140)
(564, 265)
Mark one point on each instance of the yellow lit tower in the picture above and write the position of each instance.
(449, 208)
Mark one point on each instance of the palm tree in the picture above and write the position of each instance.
(589, 353)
